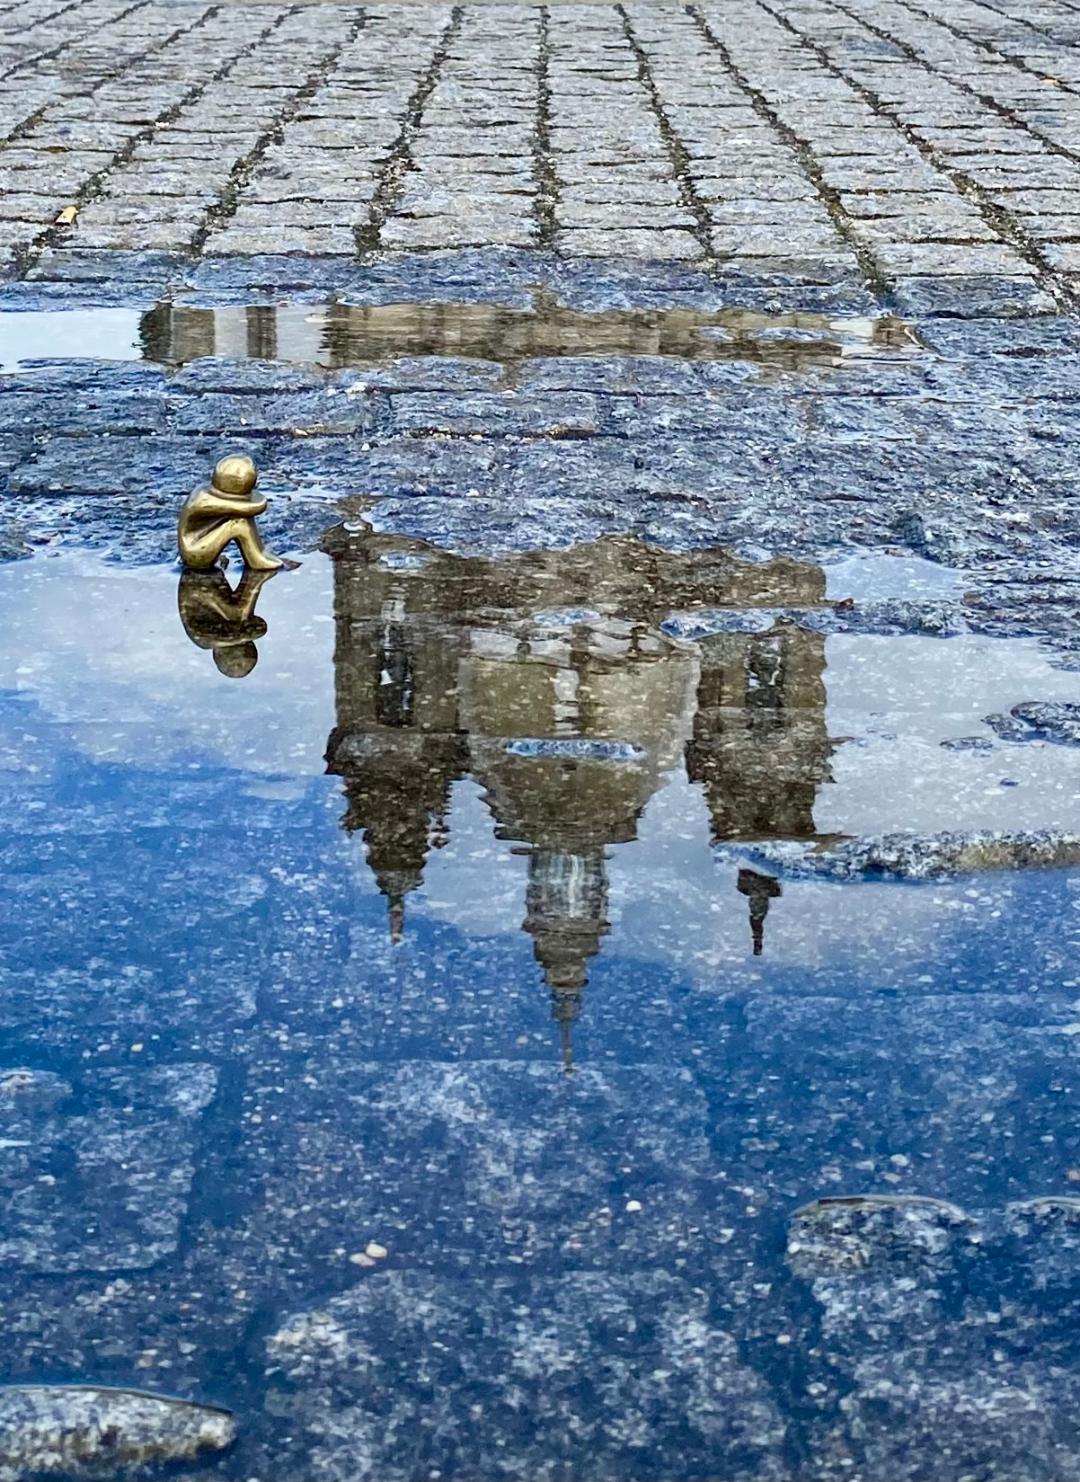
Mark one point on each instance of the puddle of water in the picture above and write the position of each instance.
(335, 335)
(869, 578)
(108, 334)
(383, 847)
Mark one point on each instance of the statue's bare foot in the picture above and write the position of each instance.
(263, 561)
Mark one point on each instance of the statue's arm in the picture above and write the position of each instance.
(206, 502)
(247, 507)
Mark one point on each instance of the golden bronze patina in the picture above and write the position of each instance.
(222, 514)
(222, 619)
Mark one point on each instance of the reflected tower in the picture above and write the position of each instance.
(397, 744)
(760, 747)
(573, 719)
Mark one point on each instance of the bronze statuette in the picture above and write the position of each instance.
(215, 517)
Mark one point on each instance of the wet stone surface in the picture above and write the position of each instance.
(497, 425)
(126, 1141)
(70, 1430)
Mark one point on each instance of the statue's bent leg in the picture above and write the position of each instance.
(255, 554)
(201, 551)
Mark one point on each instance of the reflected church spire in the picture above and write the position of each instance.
(760, 889)
(566, 916)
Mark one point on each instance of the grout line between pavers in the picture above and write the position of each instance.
(808, 162)
(388, 190)
(1004, 226)
(547, 179)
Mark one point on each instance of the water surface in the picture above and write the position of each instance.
(420, 1060)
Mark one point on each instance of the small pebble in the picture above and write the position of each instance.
(361, 1258)
(633, 1206)
(376, 1251)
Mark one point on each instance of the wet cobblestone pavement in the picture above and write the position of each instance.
(807, 433)
(576, 981)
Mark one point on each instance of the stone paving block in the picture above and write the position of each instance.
(538, 1195)
(219, 373)
(295, 413)
(83, 413)
(426, 373)
(637, 375)
(859, 1095)
(506, 415)
(245, 241)
(971, 298)
(96, 1177)
(103, 465)
(497, 228)
(109, 377)
(1064, 256)
(760, 414)
(75, 265)
(606, 1363)
(941, 260)
(1047, 335)
(632, 242)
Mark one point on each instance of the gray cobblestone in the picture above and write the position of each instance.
(863, 141)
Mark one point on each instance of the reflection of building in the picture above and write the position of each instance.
(335, 335)
(759, 747)
(546, 676)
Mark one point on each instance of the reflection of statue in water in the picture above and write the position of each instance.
(761, 889)
(215, 517)
(217, 617)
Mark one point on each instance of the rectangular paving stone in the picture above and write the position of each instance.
(504, 415)
(539, 1195)
(611, 1364)
(96, 1176)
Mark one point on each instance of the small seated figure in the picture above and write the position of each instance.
(223, 620)
(212, 518)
